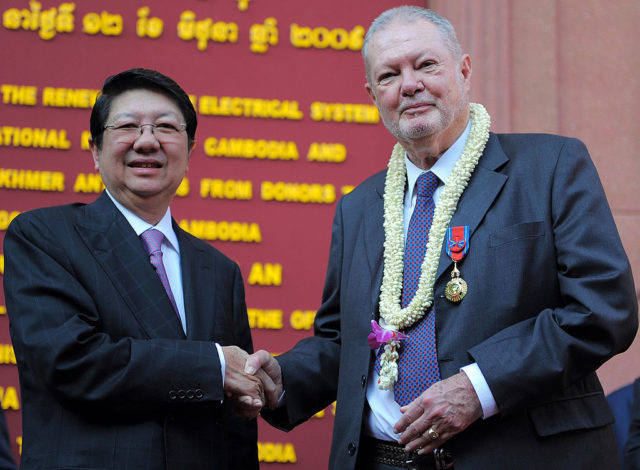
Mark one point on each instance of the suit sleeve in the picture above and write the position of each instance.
(63, 346)
(310, 369)
(242, 432)
(596, 313)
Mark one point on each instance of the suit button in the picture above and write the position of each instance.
(172, 395)
(190, 394)
(351, 448)
(363, 381)
(181, 394)
(199, 394)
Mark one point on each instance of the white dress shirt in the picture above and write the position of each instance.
(384, 411)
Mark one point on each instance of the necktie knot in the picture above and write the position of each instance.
(427, 184)
(152, 240)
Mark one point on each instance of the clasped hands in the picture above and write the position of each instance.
(251, 382)
(443, 410)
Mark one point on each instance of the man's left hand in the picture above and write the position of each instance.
(442, 411)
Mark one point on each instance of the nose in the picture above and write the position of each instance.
(146, 141)
(411, 83)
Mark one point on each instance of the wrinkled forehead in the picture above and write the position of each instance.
(401, 36)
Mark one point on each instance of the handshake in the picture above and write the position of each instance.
(251, 381)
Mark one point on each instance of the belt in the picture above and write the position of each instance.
(391, 453)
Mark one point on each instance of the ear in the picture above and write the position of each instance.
(191, 147)
(465, 71)
(371, 92)
(95, 153)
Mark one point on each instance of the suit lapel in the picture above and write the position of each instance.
(196, 271)
(484, 186)
(119, 251)
(374, 240)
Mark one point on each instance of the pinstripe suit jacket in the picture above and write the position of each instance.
(551, 297)
(108, 378)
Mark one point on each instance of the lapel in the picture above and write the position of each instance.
(374, 239)
(120, 253)
(196, 271)
(484, 186)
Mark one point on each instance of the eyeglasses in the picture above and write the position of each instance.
(131, 131)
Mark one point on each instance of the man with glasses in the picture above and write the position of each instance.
(129, 333)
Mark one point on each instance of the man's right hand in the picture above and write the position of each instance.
(263, 364)
(246, 390)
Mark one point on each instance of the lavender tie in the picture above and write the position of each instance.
(152, 241)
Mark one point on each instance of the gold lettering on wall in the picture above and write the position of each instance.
(9, 398)
(148, 27)
(7, 355)
(249, 148)
(276, 452)
(69, 97)
(31, 180)
(205, 30)
(104, 23)
(226, 189)
(326, 152)
(344, 112)
(34, 138)
(6, 217)
(265, 274)
(263, 35)
(338, 39)
(223, 230)
(302, 319)
(19, 95)
(46, 22)
(297, 192)
(265, 319)
(235, 106)
(88, 183)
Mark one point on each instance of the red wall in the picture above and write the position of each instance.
(44, 52)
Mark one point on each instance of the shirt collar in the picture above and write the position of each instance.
(139, 225)
(443, 166)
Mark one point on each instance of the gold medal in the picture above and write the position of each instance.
(456, 288)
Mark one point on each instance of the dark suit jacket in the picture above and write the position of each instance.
(631, 446)
(621, 402)
(108, 378)
(6, 457)
(550, 299)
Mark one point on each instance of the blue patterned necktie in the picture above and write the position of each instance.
(418, 356)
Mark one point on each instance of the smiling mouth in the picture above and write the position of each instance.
(145, 165)
(416, 108)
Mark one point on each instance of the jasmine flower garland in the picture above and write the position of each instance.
(397, 318)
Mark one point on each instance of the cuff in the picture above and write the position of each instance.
(223, 364)
(488, 403)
